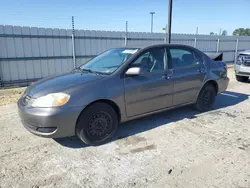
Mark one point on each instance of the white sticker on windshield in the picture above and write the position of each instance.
(130, 51)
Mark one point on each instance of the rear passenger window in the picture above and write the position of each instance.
(184, 58)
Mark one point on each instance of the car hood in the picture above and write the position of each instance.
(60, 83)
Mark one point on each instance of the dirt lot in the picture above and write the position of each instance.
(8, 96)
(178, 148)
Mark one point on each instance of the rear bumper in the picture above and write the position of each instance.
(49, 122)
(222, 84)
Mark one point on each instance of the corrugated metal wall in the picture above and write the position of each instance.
(32, 53)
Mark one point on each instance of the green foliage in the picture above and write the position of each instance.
(224, 32)
(242, 32)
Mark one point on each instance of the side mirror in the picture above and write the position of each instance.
(133, 71)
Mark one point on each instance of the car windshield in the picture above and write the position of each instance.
(109, 61)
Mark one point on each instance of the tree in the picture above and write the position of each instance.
(211, 33)
(247, 31)
(224, 32)
(242, 32)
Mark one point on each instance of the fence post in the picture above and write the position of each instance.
(166, 34)
(73, 42)
(236, 50)
(165, 38)
(195, 42)
(125, 40)
(73, 50)
(126, 34)
(218, 45)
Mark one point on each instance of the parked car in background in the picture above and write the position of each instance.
(119, 85)
(242, 66)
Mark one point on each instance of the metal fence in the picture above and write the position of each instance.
(28, 54)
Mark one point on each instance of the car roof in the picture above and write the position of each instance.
(246, 52)
(155, 46)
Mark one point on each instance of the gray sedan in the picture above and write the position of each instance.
(119, 85)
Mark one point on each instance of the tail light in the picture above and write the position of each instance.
(224, 73)
(225, 66)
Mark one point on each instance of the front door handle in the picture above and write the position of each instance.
(201, 70)
(166, 77)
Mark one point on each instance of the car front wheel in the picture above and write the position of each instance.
(206, 98)
(241, 78)
(97, 124)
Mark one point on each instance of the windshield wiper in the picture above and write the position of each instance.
(80, 69)
(88, 70)
(91, 71)
(76, 69)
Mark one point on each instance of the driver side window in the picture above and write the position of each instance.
(151, 61)
(140, 59)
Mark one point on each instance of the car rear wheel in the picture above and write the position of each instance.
(206, 98)
(241, 78)
(97, 124)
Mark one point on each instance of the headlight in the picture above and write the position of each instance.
(242, 59)
(51, 100)
(239, 60)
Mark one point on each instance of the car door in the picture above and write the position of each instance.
(152, 89)
(188, 73)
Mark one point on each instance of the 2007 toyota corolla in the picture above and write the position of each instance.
(119, 85)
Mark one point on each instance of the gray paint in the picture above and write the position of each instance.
(134, 96)
(148, 92)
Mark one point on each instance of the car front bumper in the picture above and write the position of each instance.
(241, 70)
(49, 122)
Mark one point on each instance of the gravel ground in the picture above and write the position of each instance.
(8, 96)
(178, 148)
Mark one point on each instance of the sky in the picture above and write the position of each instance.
(207, 15)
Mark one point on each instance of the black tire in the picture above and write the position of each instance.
(241, 78)
(206, 98)
(97, 124)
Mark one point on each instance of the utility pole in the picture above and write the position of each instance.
(197, 30)
(169, 20)
(126, 26)
(152, 20)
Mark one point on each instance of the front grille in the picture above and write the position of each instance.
(26, 99)
(246, 63)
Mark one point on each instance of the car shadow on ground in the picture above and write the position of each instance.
(133, 127)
